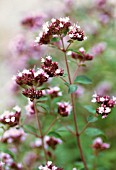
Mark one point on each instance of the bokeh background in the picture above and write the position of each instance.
(100, 27)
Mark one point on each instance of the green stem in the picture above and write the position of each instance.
(40, 130)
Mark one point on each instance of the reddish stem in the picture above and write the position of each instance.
(40, 130)
(74, 111)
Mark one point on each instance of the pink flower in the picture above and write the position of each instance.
(99, 145)
(49, 166)
(106, 104)
(11, 118)
(64, 108)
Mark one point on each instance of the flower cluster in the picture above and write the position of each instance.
(81, 55)
(64, 108)
(31, 77)
(106, 104)
(54, 92)
(99, 145)
(53, 29)
(32, 21)
(50, 67)
(75, 33)
(9, 163)
(58, 27)
(13, 135)
(11, 118)
(49, 166)
(32, 93)
(52, 142)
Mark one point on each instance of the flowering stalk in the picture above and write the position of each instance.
(40, 130)
(73, 109)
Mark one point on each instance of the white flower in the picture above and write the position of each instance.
(94, 95)
(49, 163)
(85, 37)
(53, 20)
(98, 140)
(49, 57)
(69, 53)
(82, 49)
(101, 109)
(66, 19)
(61, 25)
(25, 71)
(102, 99)
(42, 60)
(17, 108)
(45, 27)
(114, 98)
(93, 100)
(7, 120)
(107, 110)
(12, 119)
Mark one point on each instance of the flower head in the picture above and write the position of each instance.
(76, 33)
(32, 21)
(51, 68)
(11, 118)
(99, 145)
(9, 162)
(54, 92)
(59, 27)
(106, 104)
(49, 166)
(32, 93)
(64, 108)
(82, 56)
(13, 135)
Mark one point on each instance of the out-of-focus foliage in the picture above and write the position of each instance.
(98, 22)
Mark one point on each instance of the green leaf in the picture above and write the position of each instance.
(44, 106)
(72, 88)
(91, 119)
(93, 132)
(30, 128)
(79, 165)
(82, 80)
(70, 41)
(90, 109)
(55, 39)
(55, 134)
(67, 84)
(44, 98)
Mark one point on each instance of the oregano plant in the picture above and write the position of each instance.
(50, 128)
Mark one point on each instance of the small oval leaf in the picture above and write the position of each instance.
(72, 88)
(90, 109)
(91, 119)
(93, 132)
(55, 134)
(82, 80)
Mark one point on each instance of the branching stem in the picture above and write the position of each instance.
(73, 109)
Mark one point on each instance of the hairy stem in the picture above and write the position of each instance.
(74, 111)
(40, 130)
